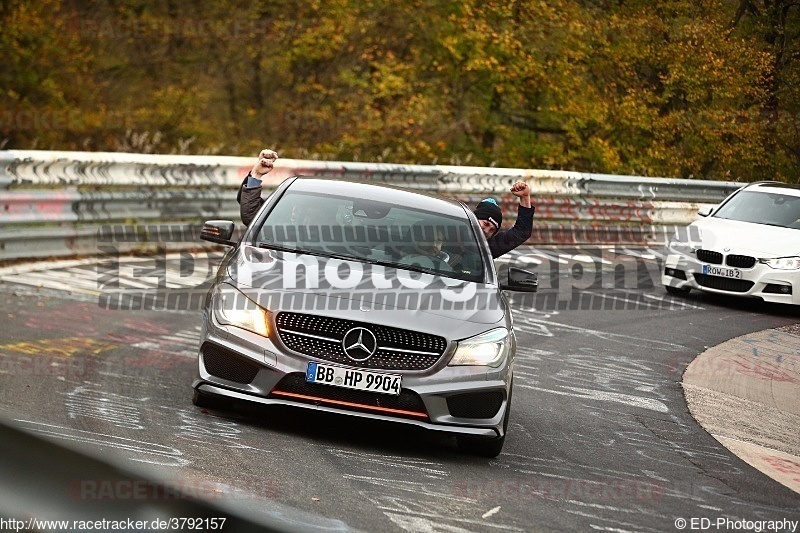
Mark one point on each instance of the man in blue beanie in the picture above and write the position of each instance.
(490, 217)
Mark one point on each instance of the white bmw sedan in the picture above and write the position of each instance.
(749, 245)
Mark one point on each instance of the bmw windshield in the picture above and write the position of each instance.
(769, 208)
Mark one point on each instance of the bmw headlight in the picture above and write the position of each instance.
(231, 307)
(783, 263)
(486, 349)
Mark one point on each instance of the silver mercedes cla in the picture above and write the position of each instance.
(366, 301)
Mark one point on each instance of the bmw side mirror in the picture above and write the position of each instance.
(521, 280)
(218, 231)
(705, 210)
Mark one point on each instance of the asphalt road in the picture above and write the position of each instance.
(600, 436)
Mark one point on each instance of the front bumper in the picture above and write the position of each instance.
(684, 271)
(466, 400)
(210, 388)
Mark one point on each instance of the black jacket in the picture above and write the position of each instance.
(250, 202)
(504, 241)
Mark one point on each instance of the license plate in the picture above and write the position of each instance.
(734, 273)
(351, 378)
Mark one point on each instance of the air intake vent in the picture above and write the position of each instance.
(707, 256)
(723, 284)
(394, 348)
(295, 388)
(225, 364)
(740, 261)
(475, 404)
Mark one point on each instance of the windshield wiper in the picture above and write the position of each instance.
(324, 253)
(343, 257)
(774, 225)
(303, 251)
(280, 247)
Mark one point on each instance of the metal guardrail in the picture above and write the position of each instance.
(68, 203)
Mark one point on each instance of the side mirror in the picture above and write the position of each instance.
(218, 231)
(521, 280)
(705, 210)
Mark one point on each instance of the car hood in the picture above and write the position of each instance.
(305, 283)
(746, 238)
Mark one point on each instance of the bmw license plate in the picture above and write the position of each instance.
(734, 273)
(351, 378)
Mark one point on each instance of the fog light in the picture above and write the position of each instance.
(775, 288)
(675, 273)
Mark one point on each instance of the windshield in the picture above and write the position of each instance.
(773, 209)
(369, 231)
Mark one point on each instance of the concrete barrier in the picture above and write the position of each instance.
(56, 203)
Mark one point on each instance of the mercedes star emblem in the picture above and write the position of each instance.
(359, 344)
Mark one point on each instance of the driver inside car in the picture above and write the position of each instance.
(427, 243)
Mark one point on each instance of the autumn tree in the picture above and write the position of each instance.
(774, 25)
(677, 88)
(46, 81)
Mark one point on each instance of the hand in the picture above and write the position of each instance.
(522, 191)
(265, 164)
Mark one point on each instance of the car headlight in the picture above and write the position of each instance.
(486, 349)
(783, 263)
(231, 307)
